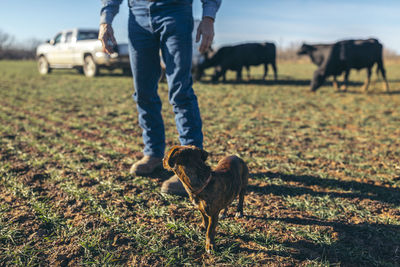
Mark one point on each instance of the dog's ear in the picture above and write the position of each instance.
(170, 160)
(204, 155)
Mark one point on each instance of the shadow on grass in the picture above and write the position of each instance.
(262, 82)
(363, 190)
(287, 81)
(159, 174)
(102, 73)
(227, 242)
(378, 92)
(368, 244)
(114, 74)
(392, 92)
(363, 244)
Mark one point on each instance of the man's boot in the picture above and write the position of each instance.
(146, 165)
(173, 186)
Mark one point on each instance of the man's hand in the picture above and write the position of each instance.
(206, 32)
(106, 36)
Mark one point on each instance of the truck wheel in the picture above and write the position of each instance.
(43, 66)
(80, 70)
(126, 71)
(90, 68)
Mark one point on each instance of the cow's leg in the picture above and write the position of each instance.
(273, 64)
(345, 81)
(224, 75)
(218, 73)
(248, 72)
(383, 71)
(239, 74)
(215, 71)
(386, 86)
(367, 81)
(216, 76)
(210, 235)
(335, 84)
(265, 71)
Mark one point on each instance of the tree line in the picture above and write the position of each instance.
(12, 50)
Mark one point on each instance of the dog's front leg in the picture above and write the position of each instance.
(204, 223)
(210, 236)
(223, 215)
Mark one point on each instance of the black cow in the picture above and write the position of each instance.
(239, 56)
(334, 59)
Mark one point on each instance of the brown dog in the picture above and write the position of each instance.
(210, 191)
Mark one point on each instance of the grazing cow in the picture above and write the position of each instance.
(334, 59)
(239, 56)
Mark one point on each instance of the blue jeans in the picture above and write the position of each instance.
(165, 25)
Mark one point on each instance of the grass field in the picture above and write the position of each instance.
(324, 183)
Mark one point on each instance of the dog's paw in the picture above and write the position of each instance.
(203, 227)
(239, 214)
(210, 248)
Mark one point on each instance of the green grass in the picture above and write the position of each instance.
(324, 182)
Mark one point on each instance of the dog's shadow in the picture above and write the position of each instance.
(376, 240)
(362, 190)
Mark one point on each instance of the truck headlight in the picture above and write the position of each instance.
(101, 54)
(114, 55)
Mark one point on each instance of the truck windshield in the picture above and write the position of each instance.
(88, 35)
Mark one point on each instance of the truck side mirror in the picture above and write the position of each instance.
(48, 41)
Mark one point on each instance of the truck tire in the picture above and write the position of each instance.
(43, 66)
(126, 71)
(90, 68)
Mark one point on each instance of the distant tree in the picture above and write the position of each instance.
(6, 40)
(289, 52)
(390, 54)
(31, 44)
(9, 49)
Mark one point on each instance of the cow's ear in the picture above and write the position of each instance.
(200, 152)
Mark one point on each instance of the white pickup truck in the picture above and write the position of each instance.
(80, 49)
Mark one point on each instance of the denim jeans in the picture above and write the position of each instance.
(165, 25)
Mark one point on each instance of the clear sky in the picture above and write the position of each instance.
(281, 21)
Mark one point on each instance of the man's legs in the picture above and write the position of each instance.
(145, 64)
(176, 46)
